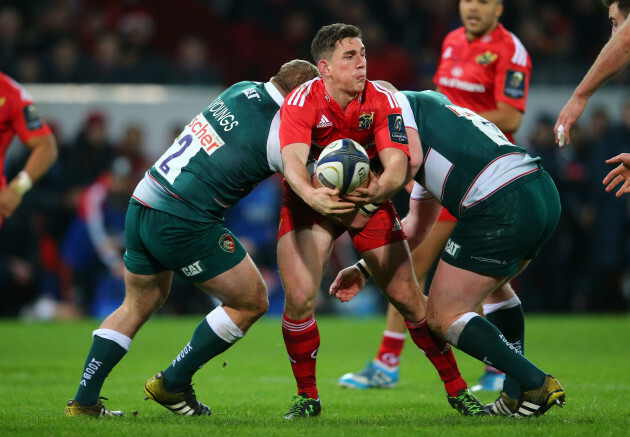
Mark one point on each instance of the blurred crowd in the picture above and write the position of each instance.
(222, 41)
(61, 253)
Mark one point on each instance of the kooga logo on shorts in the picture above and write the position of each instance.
(483, 259)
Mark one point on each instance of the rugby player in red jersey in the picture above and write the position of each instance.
(485, 68)
(344, 104)
(18, 115)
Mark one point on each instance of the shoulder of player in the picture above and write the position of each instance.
(306, 94)
(379, 96)
(511, 45)
(456, 35)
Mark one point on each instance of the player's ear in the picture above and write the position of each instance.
(499, 10)
(324, 67)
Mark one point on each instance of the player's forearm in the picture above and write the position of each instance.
(506, 118)
(395, 176)
(418, 223)
(614, 56)
(296, 174)
(42, 157)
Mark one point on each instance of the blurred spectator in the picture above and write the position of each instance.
(141, 61)
(107, 61)
(386, 61)
(610, 224)
(132, 147)
(65, 63)
(89, 155)
(193, 65)
(128, 43)
(10, 31)
(93, 245)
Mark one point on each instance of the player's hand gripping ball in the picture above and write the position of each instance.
(343, 164)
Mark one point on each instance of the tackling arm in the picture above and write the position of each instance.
(396, 174)
(418, 223)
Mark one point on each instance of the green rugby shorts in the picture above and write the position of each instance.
(195, 252)
(494, 238)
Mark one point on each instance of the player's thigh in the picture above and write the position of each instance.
(303, 254)
(141, 290)
(240, 287)
(391, 268)
(456, 291)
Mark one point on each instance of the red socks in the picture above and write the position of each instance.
(391, 348)
(440, 354)
(301, 338)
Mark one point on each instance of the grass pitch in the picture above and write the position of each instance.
(249, 387)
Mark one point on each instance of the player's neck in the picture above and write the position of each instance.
(471, 36)
(342, 97)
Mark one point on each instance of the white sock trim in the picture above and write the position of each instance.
(510, 303)
(223, 326)
(396, 335)
(455, 330)
(115, 336)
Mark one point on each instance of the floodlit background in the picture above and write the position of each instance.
(118, 79)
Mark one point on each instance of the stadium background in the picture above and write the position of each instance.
(121, 78)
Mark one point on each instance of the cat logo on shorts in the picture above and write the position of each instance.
(452, 248)
(365, 120)
(226, 243)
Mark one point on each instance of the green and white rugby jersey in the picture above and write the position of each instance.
(219, 157)
(467, 159)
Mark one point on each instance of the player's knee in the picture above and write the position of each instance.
(299, 298)
(260, 303)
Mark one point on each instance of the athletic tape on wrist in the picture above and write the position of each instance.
(363, 270)
(22, 183)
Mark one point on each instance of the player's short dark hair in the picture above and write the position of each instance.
(324, 42)
(294, 73)
(623, 5)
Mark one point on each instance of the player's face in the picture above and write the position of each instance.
(480, 17)
(347, 66)
(616, 18)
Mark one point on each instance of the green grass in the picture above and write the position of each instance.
(250, 386)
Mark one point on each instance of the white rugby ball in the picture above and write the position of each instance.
(343, 164)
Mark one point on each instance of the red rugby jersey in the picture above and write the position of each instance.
(373, 119)
(18, 115)
(480, 73)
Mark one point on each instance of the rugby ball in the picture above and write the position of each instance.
(343, 164)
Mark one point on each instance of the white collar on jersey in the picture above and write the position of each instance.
(274, 93)
(407, 113)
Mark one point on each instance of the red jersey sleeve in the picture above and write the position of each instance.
(297, 117)
(389, 127)
(513, 74)
(23, 114)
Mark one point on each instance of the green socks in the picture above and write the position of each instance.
(482, 340)
(214, 335)
(511, 323)
(108, 347)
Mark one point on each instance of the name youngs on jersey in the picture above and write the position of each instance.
(222, 114)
